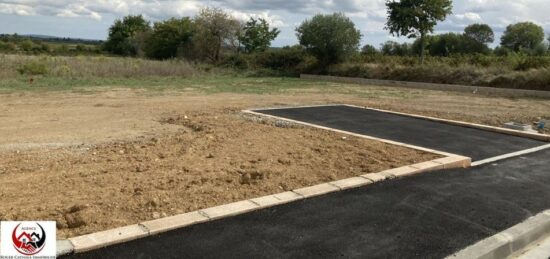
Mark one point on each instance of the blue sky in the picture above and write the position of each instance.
(90, 19)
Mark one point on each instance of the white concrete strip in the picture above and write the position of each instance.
(510, 155)
(295, 107)
(174, 222)
(64, 247)
(510, 241)
(538, 250)
(108, 237)
(230, 209)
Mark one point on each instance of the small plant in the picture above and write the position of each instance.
(33, 68)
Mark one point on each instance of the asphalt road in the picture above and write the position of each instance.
(475, 143)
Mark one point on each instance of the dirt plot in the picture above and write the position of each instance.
(213, 158)
(120, 156)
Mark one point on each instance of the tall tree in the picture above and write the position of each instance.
(122, 33)
(257, 36)
(524, 35)
(168, 37)
(416, 18)
(330, 38)
(215, 29)
(481, 33)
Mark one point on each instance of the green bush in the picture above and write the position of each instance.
(288, 60)
(235, 61)
(33, 68)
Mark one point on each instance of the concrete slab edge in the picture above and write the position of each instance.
(101, 239)
(507, 242)
(536, 136)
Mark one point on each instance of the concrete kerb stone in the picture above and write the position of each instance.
(376, 177)
(64, 247)
(454, 162)
(108, 237)
(353, 182)
(174, 222)
(230, 209)
(507, 242)
(317, 190)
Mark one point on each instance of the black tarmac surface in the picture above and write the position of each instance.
(425, 216)
(474, 143)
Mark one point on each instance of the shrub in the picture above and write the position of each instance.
(33, 68)
(289, 60)
(236, 61)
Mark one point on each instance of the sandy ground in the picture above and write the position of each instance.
(118, 157)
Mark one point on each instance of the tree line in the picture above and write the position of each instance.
(205, 37)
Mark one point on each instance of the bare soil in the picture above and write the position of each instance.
(118, 157)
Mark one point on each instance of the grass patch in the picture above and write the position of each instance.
(204, 84)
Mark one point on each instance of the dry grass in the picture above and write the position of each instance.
(12, 66)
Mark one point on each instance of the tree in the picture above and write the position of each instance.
(215, 29)
(524, 35)
(416, 18)
(392, 48)
(168, 37)
(369, 50)
(122, 35)
(330, 38)
(453, 43)
(446, 44)
(257, 36)
(481, 33)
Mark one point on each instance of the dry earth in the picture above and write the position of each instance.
(118, 157)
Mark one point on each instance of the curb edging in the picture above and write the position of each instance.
(507, 242)
(517, 133)
(105, 238)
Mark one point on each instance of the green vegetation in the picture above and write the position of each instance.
(416, 18)
(31, 45)
(329, 38)
(123, 34)
(524, 35)
(257, 36)
(169, 38)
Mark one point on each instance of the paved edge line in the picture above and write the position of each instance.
(510, 155)
(507, 242)
(387, 141)
(105, 238)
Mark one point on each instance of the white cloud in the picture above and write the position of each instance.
(17, 9)
(469, 17)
